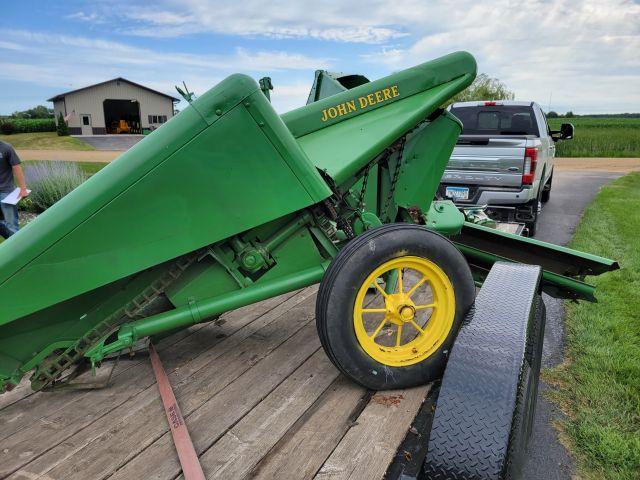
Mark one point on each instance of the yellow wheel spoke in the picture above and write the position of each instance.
(416, 286)
(423, 307)
(379, 288)
(394, 331)
(417, 327)
(377, 330)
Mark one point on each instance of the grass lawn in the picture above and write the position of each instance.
(44, 141)
(91, 167)
(600, 137)
(600, 380)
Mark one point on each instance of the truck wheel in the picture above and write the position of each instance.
(536, 206)
(390, 306)
(546, 190)
(532, 227)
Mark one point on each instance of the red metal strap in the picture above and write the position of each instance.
(184, 446)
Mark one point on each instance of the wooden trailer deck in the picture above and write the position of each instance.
(259, 396)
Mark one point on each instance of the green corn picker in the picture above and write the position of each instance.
(230, 203)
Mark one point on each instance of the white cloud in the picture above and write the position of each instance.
(577, 49)
(586, 53)
(45, 60)
(11, 46)
(85, 17)
(328, 20)
(287, 97)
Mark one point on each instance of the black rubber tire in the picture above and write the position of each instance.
(546, 190)
(339, 288)
(486, 404)
(527, 395)
(532, 226)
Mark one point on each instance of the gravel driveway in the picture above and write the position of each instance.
(110, 142)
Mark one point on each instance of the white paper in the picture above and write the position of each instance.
(13, 198)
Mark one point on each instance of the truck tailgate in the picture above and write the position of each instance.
(481, 160)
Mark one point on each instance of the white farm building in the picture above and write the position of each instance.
(114, 106)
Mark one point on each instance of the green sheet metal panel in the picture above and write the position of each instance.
(343, 145)
(195, 181)
(459, 66)
(426, 155)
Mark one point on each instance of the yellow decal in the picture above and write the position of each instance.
(360, 103)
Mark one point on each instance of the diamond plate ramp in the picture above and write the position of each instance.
(485, 407)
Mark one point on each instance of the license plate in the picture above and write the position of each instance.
(457, 193)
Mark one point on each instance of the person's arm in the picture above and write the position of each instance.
(18, 174)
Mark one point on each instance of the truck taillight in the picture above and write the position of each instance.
(530, 161)
(490, 104)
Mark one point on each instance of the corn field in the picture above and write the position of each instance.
(599, 137)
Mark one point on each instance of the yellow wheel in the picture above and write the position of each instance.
(390, 306)
(408, 319)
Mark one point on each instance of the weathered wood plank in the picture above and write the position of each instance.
(305, 447)
(99, 450)
(22, 390)
(78, 424)
(212, 420)
(369, 446)
(242, 447)
(29, 411)
(41, 404)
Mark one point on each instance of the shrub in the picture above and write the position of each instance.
(50, 181)
(63, 128)
(27, 205)
(7, 128)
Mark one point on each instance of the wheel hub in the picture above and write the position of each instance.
(399, 308)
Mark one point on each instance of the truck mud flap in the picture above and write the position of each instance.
(486, 403)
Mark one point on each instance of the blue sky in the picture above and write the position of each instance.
(583, 55)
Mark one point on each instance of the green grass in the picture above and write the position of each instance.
(91, 167)
(600, 137)
(600, 381)
(44, 141)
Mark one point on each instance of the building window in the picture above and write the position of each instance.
(157, 119)
(85, 120)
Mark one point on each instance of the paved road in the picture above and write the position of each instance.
(110, 142)
(572, 192)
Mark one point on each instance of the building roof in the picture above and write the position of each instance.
(60, 96)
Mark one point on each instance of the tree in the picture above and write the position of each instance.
(36, 112)
(484, 87)
(569, 114)
(62, 127)
(552, 114)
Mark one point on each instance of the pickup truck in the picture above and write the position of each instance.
(503, 160)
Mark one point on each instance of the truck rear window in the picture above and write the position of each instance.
(497, 120)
